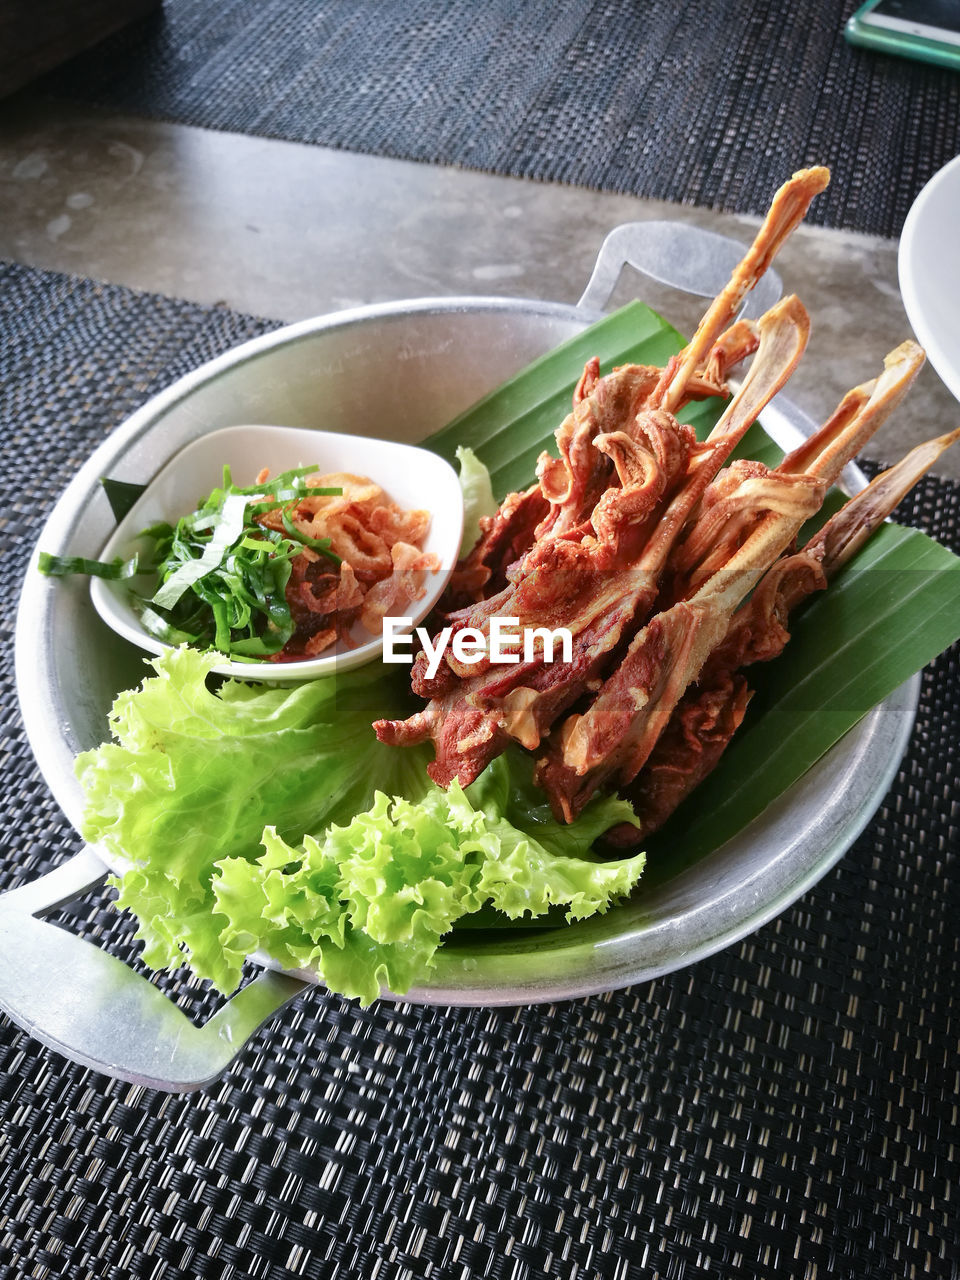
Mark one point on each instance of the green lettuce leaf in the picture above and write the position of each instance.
(194, 776)
(373, 863)
(366, 905)
(478, 499)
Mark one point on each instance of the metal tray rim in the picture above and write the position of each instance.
(879, 741)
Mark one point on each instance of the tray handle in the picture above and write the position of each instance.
(87, 1005)
(684, 257)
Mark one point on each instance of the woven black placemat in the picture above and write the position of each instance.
(786, 1108)
(711, 103)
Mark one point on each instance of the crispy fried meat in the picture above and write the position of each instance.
(670, 565)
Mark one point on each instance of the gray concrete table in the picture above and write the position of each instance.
(287, 231)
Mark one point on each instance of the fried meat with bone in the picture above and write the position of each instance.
(603, 591)
(574, 575)
(710, 713)
(644, 551)
(613, 739)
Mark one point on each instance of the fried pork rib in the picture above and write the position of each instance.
(628, 477)
(709, 714)
(612, 741)
(645, 544)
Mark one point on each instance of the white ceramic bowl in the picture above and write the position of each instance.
(414, 478)
(929, 267)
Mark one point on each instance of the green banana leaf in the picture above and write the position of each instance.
(893, 609)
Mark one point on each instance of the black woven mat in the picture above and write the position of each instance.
(785, 1108)
(712, 103)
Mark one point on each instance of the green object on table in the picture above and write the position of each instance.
(916, 38)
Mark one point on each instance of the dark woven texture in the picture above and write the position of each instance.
(785, 1108)
(712, 103)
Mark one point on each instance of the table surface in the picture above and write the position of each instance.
(786, 1107)
(283, 230)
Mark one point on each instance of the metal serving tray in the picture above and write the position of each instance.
(402, 370)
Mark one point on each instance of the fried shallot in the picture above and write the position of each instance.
(382, 566)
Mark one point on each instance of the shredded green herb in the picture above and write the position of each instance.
(222, 576)
(62, 566)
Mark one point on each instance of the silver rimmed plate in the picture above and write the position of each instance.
(423, 363)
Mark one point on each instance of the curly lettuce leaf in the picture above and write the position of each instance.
(259, 819)
(195, 775)
(367, 905)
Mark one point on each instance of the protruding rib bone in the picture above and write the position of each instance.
(784, 330)
(845, 533)
(860, 413)
(822, 458)
(786, 212)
